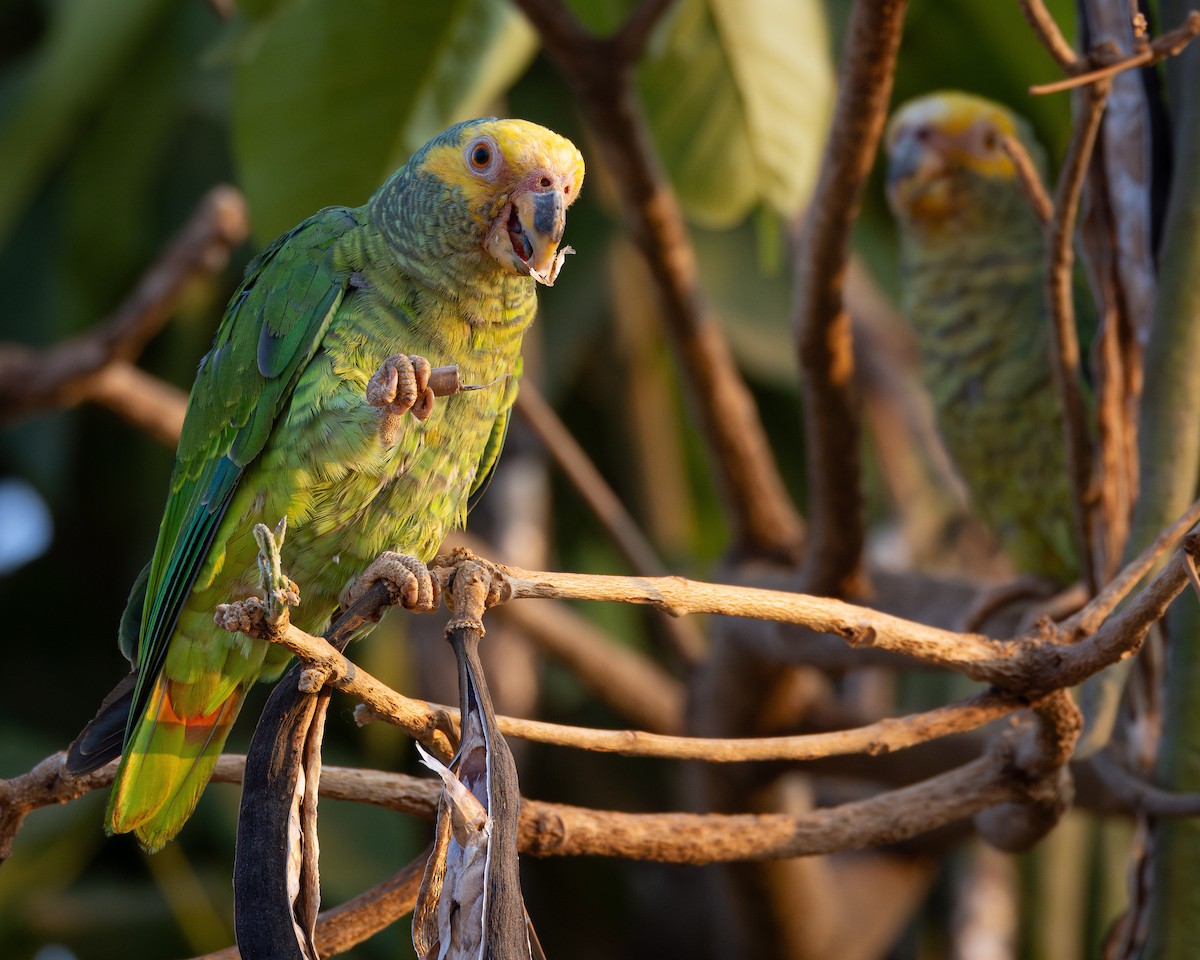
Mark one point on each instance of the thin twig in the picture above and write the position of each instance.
(820, 319)
(1046, 28)
(59, 376)
(1031, 180)
(578, 467)
(1064, 340)
(1169, 44)
(765, 522)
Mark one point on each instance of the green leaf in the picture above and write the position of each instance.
(82, 56)
(326, 105)
(738, 94)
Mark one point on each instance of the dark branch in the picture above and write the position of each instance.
(821, 321)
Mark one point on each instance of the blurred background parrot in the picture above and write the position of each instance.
(442, 264)
(972, 266)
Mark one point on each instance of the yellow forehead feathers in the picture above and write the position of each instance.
(525, 148)
(968, 130)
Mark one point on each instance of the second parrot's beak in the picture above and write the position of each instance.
(526, 235)
(918, 185)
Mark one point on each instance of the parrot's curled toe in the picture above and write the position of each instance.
(400, 386)
(409, 581)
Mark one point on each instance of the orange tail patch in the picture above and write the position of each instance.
(167, 763)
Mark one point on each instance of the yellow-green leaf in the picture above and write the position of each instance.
(738, 95)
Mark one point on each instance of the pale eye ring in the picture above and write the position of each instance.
(482, 156)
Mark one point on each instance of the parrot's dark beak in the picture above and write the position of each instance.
(916, 166)
(526, 236)
(903, 160)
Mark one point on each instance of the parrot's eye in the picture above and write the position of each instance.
(482, 156)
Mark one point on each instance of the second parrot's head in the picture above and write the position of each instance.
(948, 171)
(494, 190)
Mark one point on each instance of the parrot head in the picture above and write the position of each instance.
(497, 190)
(948, 171)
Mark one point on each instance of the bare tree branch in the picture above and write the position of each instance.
(1136, 794)
(1088, 620)
(1031, 180)
(1064, 340)
(150, 404)
(1169, 44)
(1048, 32)
(420, 720)
(65, 374)
(821, 321)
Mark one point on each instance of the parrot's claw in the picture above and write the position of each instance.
(400, 385)
(497, 584)
(409, 582)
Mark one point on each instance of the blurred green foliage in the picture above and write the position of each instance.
(117, 115)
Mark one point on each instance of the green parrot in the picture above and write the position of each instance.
(439, 267)
(972, 267)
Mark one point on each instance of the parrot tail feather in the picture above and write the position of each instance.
(101, 740)
(167, 764)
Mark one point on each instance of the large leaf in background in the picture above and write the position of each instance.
(330, 98)
(738, 94)
(48, 104)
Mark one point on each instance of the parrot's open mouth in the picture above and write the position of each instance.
(517, 235)
(524, 238)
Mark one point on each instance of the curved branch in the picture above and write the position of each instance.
(420, 720)
(65, 374)
(1064, 341)
(1046, 28)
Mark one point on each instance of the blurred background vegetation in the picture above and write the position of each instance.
(116, 116)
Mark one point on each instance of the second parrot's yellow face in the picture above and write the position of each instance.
(520, 178)
(935, 144)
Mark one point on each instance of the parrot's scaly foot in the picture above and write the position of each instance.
(447, 565)
(409, 582)
(399, 385)
(247, 616)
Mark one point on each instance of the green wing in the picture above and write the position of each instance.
(271, 329)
